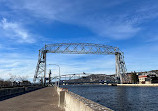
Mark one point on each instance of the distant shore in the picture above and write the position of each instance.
(137, 85)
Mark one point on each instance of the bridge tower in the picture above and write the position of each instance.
(117, 67)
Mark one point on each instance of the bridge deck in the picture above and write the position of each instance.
(45, 99)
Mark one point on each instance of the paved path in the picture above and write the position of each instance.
(45, 99)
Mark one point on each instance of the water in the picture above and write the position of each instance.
(120, 98)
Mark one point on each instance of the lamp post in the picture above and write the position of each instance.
(59, 72)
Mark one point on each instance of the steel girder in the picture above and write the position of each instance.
(79, 48)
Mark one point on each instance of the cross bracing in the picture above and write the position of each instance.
(80, 48)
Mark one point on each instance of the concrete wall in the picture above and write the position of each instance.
(17, 90)
(73, 102)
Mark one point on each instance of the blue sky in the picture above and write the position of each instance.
(26, 25)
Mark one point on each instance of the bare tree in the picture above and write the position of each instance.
(1, 82)
(22, 78)
(12, 78)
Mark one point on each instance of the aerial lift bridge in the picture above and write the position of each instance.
(80, 48)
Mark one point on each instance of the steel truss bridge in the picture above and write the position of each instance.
(71, 76)
(80, 78)
(80, 48)
(67, 77)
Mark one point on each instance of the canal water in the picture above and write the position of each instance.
(119, 98)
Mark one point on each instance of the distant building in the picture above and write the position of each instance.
(110, 78)
(148, 79)
(130, 78)
(127, 78)
(142, 79)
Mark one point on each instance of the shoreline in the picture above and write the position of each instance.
(139, 85)
(144, 85)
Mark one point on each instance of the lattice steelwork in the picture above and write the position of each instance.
(80, 48)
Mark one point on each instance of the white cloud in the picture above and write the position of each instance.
(98, 17)
(17, 64)
(15, 31)
(101, 17)
(82, 63)
(87, 13)
(21, 65)
(115, 30)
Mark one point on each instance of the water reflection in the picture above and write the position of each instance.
(122, 97)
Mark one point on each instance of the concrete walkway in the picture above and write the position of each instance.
(45, 99)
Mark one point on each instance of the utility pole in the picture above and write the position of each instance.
(50, 76)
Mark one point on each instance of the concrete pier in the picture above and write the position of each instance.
(73, 102)
(45, 99)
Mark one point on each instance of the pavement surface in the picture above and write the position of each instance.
(45, 99)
